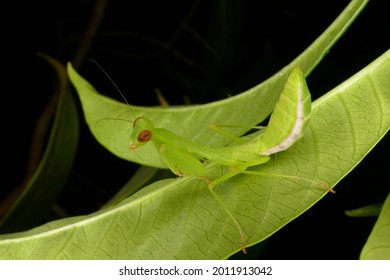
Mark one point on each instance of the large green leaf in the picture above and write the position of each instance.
(179, 219)
(245, 110)
(378, 243)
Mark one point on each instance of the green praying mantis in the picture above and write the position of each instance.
(185, 157)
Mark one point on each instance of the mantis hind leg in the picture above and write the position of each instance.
(240, 168)
(234, 171)
(318, 183)
(235, 221)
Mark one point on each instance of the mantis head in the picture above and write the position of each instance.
(142, 132)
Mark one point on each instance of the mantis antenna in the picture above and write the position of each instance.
(108, 76)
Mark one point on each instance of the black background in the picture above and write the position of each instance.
(242, 43)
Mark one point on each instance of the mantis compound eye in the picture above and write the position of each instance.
(144, 136)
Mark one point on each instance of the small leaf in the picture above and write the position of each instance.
(377, 246)
(366, 211)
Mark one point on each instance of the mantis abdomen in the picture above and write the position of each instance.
(289, 118)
